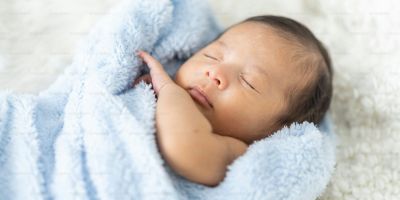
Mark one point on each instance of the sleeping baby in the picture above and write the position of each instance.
(258, 76)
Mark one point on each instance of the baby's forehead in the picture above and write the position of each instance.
(253, 29)
(256, 37)
(264, 44)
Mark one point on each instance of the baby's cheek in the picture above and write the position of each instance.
(229, 123)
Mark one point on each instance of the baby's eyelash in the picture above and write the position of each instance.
(248, 83)
(208, 56)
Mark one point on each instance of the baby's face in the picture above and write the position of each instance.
(244, 75)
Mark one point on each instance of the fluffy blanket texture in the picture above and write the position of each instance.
(91, 136)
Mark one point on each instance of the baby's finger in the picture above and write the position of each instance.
(159, 76)
(151, 62)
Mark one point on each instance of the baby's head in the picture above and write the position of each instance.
(260, 75)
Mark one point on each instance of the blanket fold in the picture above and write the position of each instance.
(91, 135)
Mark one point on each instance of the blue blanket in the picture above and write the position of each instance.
(91, 135)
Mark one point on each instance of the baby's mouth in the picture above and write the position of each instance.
(200, 97)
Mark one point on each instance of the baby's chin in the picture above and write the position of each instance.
(206, 113)
(201, 108)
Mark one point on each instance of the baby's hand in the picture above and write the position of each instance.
(158, 76)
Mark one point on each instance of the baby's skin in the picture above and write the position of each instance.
(223, 98)
(184, 136)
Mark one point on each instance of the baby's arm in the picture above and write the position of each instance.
(187, 142)
(185, 136)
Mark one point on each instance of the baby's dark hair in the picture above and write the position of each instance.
(308, 102)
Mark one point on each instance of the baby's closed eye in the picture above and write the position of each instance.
(210, 57)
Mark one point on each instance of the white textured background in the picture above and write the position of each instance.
(38, 37)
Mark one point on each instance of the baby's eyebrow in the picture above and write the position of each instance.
(261, 70)
(222, 44)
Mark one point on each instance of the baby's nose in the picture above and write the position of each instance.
(217, 77)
